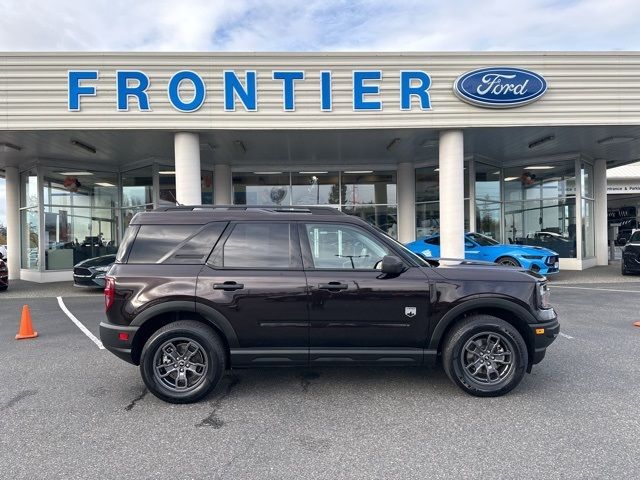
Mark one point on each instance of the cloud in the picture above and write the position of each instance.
(315, 25)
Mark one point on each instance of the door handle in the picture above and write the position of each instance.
(333, 286)
(228, 285)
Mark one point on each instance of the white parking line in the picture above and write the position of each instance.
(566, 336)
(596, 289)
(84, 329)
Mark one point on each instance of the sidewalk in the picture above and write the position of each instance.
(605, 274)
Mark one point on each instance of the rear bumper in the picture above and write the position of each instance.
(543, 334)
(110, 338)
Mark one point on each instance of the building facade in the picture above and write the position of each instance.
(510, 145)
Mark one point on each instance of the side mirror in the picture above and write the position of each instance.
(392, 265)
(622, 241)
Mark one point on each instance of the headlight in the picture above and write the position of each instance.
(532, 257)
(543, 294)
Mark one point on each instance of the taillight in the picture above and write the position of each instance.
(109, 292)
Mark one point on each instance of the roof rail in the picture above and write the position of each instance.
(268, 208)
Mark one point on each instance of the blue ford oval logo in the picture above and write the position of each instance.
(500, 87)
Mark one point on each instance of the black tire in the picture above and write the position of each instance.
(508, 261)
(175, 343)
(3, 288)
(472, 330)
(622, 269)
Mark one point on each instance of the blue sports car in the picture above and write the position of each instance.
(479, 247)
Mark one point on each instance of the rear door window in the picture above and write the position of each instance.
(175, 244)
(261, 245)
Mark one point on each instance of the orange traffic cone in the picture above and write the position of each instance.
(26, 328)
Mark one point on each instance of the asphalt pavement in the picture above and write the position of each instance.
(71, 410)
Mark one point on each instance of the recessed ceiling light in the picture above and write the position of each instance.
(358, 171)
(76, 174)
(436, 169)
(539, 167)
(615, 139)
(167, 172)
(393, 143)
(268, 173)
(6, 147)
(509, 179)
(429, 143)
(312, 173)
(105, 184)
(495, 173)
(540, 141)
(84, 146)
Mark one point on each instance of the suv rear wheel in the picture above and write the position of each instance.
(182, 362)
(485, 356)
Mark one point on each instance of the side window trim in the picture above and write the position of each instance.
(216, 259)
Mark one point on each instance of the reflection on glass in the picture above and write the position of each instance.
(30, 223)
(427, 219)
(427, 184)
(261, 188)
(547, 223)
(382, 216)
(487, 182)
(488, 219)
(137, 187)
(369, 188)
(588, 231)
(29, 189)
(316, 188)
(553, 180)
(587, 180)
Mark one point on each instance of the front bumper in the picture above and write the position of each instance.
(93, 281)
(541, 266)
(544, 334)
(110, 338)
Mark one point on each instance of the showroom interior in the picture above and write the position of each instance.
(88, 139)
(518, 182)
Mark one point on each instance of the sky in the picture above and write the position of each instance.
(316, 25)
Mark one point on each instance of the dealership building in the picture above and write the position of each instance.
(515, 145)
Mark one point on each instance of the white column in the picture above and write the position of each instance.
(222, 185)
(13, 221)
(406, 191)
(451, 194)
(187, 160)
(600, 211)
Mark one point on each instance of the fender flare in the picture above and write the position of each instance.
(212, 316)
(521, 313)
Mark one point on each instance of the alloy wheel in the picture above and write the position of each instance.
(180, 364)
(487, 358)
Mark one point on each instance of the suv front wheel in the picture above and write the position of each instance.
(182, 362)
(485, 356)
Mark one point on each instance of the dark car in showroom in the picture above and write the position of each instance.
(630, 262)
(199, 290)
(91, 272)
(4, 275)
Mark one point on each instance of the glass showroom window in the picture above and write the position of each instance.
(488, 200)
(79, 216)
(29, 220)
(428, 204)
(137, 193)
(316, 188)
(540, 206)
(262, 188)
(371, 195)
(588, 228)
(167, 186)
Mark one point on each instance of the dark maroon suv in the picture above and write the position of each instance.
(198, 290)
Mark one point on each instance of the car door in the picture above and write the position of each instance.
(357, 313)
(254, 278)
(472, 251)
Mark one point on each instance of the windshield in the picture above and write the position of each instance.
(635, 238)
(482, 240)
